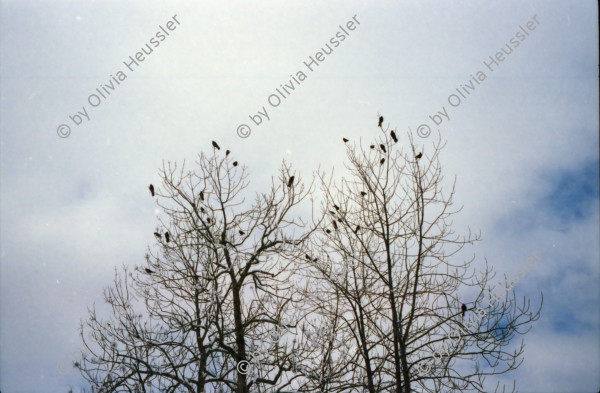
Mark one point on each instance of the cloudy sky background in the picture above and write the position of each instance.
(523, 146)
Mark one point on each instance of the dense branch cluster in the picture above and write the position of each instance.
(242, 295)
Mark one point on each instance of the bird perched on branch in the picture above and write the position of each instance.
(382, 161)
(227, 152)
(345, 140)
(216, 145)
(167, 236)
(419, 156)
(235, 163)
(382, 146)
(290, 181)
(334, 224)
(380, 121)
(242, 233)
(393, 135)
(148, 270)
(363, 193)
(151, 188)
(157, 235)
(357, 229)
(337, 208)
(372, 146)
(464, 309)
(202, 195)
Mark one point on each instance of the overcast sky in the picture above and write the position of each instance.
(523, 145)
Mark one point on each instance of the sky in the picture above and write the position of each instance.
(522, 145)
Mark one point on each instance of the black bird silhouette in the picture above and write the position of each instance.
(201, 209)
(148, 270)
(208, 220)
(363, 193)
(383, 148)
(167, 236)
(357, 229)
(380, 121)
(242, 233)
(307, 257)
(227, 152)
(157, 235)
(345, 140)
(291, 181)
(328, 230)
(334, 224)
(372, 146)
(393, 135)
(151, 188)
(337, 208)
(382, 161)
(235, 163)
(419, 156)
(464, 309)
(216, 145)
(202, 195)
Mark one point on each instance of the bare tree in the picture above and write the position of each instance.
(212, 291)
(242, 296)
(388, 264)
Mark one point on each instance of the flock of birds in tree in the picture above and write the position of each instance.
(363, 193)
(290, 183)
(382, 146)
(201, 196)
(157, 234)
(227, 152)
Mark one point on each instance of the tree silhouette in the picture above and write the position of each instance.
(244, 296)
(218, 288)
(393, 287)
